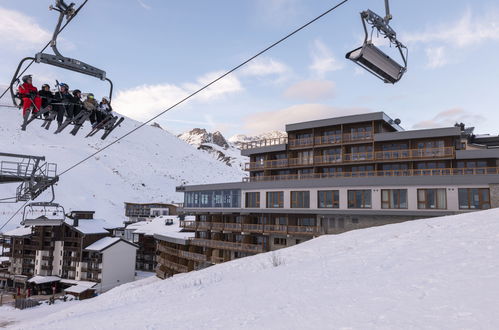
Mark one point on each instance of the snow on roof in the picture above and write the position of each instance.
(4, 259)
(159, 226)
(78, 289)
(21, 231)
(90, 226)
(88, 284)
(102, 243)
(44, 279)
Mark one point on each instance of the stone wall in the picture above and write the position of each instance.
(494, 195)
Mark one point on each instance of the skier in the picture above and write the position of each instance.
(92, 105)
(47, 96)
(77, 104)
(105, 107)
(63, 100)
(29, 95)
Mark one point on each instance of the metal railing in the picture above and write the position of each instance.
(388, 173)
(264, 143)
(334, 159)
(235, 246)
(250, 227)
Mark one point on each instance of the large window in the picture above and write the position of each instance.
(359, 199)
(432, 199)
(328, 199)
(300, 199)
(252, 199)
(213, 198)
(275, 199)
(394, 198)
(474, 198)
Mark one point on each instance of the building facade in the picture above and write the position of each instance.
(334, 175)
(146, 211)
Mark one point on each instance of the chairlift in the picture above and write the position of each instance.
(370, 57)
(57, 59)
(43, 214)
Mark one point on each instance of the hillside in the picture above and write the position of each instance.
(144, 167)
(439, 273)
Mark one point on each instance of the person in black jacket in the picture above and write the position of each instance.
(62, 100)
(47, 97)
(76, 103)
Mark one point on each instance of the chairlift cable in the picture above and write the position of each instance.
(189, 96)
(46, 46)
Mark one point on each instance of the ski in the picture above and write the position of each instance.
(112, 127)
(99, 126)
(81, 118)
(49, 119)
(64, 125)
(38, 115)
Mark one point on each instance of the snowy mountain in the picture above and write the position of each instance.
(439, 273)
(239, 139)
(144, 167)
(217, 146)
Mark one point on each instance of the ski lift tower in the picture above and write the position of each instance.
(33, 174)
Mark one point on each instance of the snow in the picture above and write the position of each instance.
(440, 273)
(77, 289)
(88, 284)
(21, 231)
(44, 279)
(157, 226)
(4, 259)
(91, 226)
(145, 166)
(102, 243)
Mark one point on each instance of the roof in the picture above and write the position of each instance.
(44, 279)
(78, 289)
(105, 243)
(88, 284)
(153, 203)
(418, 134)
(21, 231)
(158, 226)
(4, 259)
(90, 226)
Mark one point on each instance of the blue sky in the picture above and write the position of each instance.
(158, 51)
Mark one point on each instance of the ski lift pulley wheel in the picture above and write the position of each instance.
(373, 59)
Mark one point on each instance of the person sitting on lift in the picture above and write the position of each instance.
(92, 106)
(105, 107)
(47, 96)
(29, 96)
(77, 104)
(63, 100)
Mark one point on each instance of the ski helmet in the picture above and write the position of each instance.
(45, 85)
(64, 85)
(76, 91)
(26, 78)
(90, 96)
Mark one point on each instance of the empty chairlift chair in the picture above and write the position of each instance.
(371, 58)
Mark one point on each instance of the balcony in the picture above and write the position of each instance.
(335, 159)
(173, 265)
(192, 256)
(251, 228)
(390, 173)
(264, 143)
(234, 246)
(168, 250)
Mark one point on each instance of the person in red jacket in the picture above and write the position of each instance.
(29, 95)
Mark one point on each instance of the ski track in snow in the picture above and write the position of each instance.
(144, 167)
(440, 273)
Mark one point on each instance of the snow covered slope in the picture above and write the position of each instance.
(144, 167)
(440, 273)
(239, 139)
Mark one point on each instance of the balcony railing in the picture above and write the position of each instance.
(370, 156)
(235, 246)
(252, 228)
(192, 256)
(396, 173)
(264, 143)
(173, 265)
(168, 250)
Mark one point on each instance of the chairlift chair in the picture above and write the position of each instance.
(57, 59)
(43, 214)
(371, 58)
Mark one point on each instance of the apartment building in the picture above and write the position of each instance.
(334, 175)
(146, 211)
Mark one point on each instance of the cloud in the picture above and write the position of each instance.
(278, 12)
(14, 24)
(436, 57)
(323, 60)
(144, 5)
(276, 120)
(311, 90)
(449, 117)
(143, 102)
(264, 67)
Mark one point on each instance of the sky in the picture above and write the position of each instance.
(157, 52)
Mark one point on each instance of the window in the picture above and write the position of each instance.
(213, 198)
(394, 198)
(253, 199)
(359, 199)
(275, 199)
(432, 199)
(300, 199)
(474, 198)
(279, 241)
(328, 199)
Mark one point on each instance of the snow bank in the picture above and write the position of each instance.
(440, 273)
